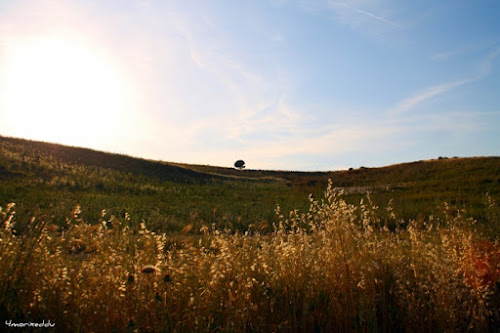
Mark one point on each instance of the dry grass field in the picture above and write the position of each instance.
(343, 263)
(333, 268)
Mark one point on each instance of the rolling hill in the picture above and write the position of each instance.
(49, 180)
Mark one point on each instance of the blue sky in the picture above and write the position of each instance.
(282, 84)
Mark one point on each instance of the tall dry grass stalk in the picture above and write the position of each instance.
(333, 268)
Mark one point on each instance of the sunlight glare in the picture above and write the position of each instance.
(60, 89)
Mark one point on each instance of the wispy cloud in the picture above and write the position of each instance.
(468, 48)
(486, 65)
(365, 137)
(349, 13)
(445, 55)
(410, 102)
(484, 69)
(380, 18)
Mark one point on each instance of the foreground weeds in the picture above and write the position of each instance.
(333, 268)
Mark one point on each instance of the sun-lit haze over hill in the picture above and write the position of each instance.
(282, 84)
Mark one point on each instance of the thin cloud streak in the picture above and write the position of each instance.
(380, 18)
(485, 68)
(428, 93)
(335, 6)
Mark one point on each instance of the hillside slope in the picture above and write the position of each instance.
(50, 179)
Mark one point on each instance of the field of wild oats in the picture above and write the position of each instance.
(334, 268)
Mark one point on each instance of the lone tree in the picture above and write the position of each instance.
(239, 164)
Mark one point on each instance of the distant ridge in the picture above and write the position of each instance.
(195, 173)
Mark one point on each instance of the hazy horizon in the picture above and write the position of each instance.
(305, 85)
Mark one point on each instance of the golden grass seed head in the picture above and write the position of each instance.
(149, 269)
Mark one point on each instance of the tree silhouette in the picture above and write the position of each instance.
(239, 164)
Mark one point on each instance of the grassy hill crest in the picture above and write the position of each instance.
(51, 179)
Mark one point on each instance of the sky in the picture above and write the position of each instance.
(310, 85)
